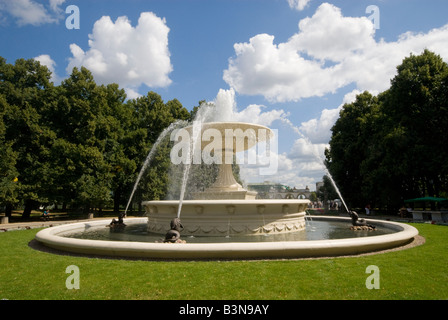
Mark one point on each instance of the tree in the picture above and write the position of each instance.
(26, 90)
(79, 143)
(8, 160)
(84, 126)
(417, 109)
(151, 117)
(392, 147)
(350, 145)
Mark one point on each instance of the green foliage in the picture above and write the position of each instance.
(78, 144)
(152, 116)
(392, 147)
(8, 160)
(25, 88)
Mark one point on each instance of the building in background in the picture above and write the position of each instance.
(269, 190)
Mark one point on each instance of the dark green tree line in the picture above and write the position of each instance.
(78, 144)
(391, 147)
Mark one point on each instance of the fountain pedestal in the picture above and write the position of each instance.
(225, 187)
(228, 217)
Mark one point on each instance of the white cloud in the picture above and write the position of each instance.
(274, 71)
(31, 12)
(132, 94)
(46, 60)
(328, 52)
(305, 151)
(254, 114)
(298, 4)
(226, 110)
(327, 35)
(318, 130)
(127, 55)
(292, 172)
(55, 5)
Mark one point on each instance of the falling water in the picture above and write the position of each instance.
(309, 221)
(201, 116)
(182, 190)
(223, 110)
(336, 187)
(151, 154)
(318, 157)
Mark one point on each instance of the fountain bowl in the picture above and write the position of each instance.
(51, 237)
(241, 135)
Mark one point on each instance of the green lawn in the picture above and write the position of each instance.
(417, 273)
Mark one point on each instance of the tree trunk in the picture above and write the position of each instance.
(86, 208)
(29, 205)
(8, 210)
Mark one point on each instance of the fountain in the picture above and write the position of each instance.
(226, 208)
(224, 221)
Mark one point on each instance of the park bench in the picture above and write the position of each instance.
(53, 216)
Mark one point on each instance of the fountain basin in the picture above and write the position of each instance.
(228, 217)
(51, 237)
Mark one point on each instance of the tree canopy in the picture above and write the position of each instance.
(78, 144)
(391, 147)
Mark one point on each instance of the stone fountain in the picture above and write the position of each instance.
(226, 208)
(223, 211)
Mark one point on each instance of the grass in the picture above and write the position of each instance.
(416, 273)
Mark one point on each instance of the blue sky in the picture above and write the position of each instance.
(288, 64)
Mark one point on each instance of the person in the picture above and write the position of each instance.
(45, 215)
(367, 209)
(403, 212)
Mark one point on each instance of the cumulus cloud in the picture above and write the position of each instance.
(31, 12)
(328, 52)
(305, 151)
(225, 109)
(127, 55)
(46, 60)
(298, 4)
(55, 5)
(318, 130)
(254, 114)
(289, 172)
